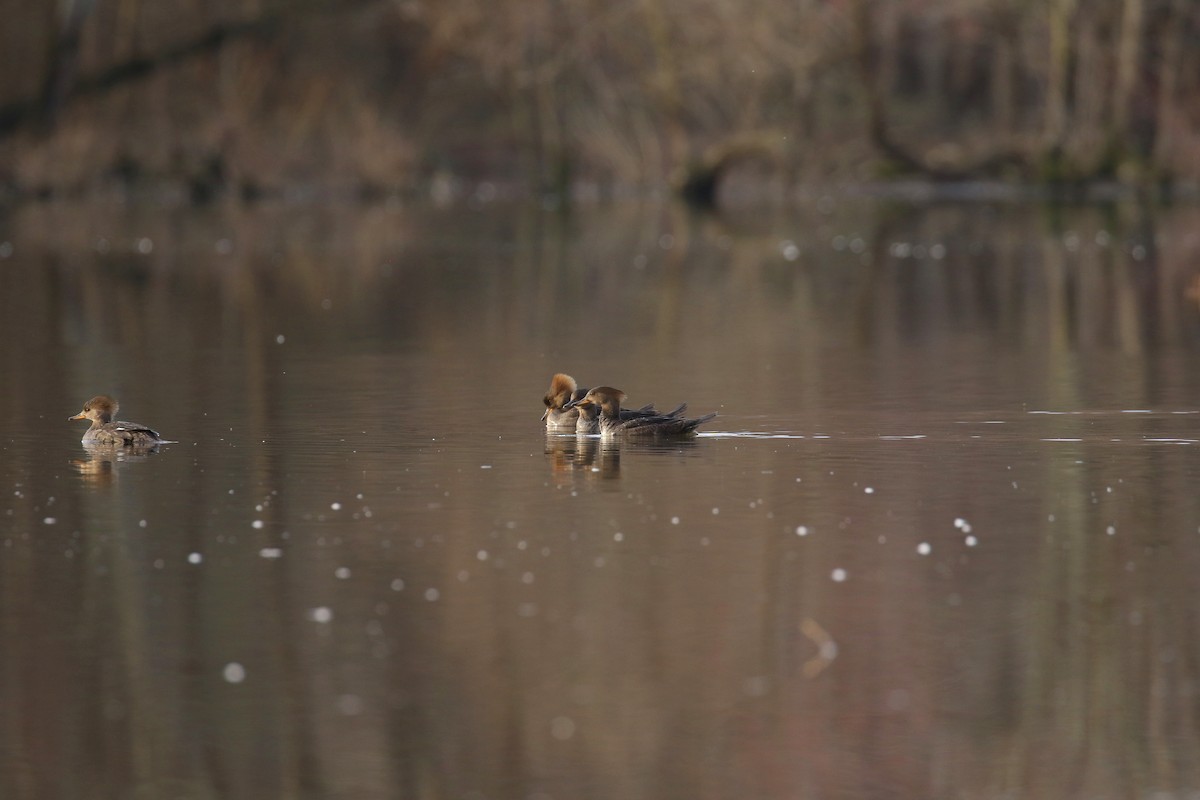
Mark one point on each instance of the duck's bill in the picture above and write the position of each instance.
(77, 416)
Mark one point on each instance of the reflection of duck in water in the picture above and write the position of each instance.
(604, 402)
(563, 390)
(104, 431)
(570, 454)
(100, 467)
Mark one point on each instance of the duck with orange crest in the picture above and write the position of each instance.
(559, 415)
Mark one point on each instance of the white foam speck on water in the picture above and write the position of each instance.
(971, 541)
(432, 594)
(838, 575)
(322, 614)
(802, 530)
(562, 728)
(1061, 439)
(1137, 411)
(258, 523)
(336, 506)
(341, 573)
(869, 490)
(270, 552)
(897, 437)
(194, 558)
(1111, 530)
(674, 520)
(49, 521)
(234, 672)
(924, 549)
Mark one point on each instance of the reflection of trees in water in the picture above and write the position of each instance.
(1072, 647)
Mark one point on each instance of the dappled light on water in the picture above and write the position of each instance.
(944, 524)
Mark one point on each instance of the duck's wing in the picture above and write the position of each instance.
(132, 431)
(664, 425)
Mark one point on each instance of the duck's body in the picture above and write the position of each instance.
(604, 404)
(105, 431)
(589, 415)
(561, 415)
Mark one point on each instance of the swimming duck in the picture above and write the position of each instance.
(563, 390)
(100, 410)
(605, 402)
(589, 414)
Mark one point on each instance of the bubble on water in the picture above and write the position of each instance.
(618, 537)
(717, 511)
(336, 506)
(802, 530)
(49, 521)
(270, 552)
(1111, 530)
(924, 549)
(257, 524)
(341, 573)
(432, 594)
(194, 558)
(142, 523)
(838, 575)
(350, 705)
(397, 585)
(482, 555)
(674, 520)
(971, 541)
(280, 339)
(869, 490)
(562, 728)
(321, 614)
(234, 672)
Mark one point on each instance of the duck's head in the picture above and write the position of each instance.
(562, 389)
(606, 397)
(100, 408)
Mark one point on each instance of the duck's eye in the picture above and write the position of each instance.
(547, 401)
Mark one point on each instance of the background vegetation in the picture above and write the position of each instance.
(377, 96)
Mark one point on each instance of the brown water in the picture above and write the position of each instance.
(942, 540)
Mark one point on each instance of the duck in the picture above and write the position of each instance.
(563, 390)
(559, 415)
(604, 404)
(589, 415)
(100, 410)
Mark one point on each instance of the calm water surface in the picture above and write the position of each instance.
(942, 540)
